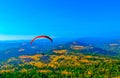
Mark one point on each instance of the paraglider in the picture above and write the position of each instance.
(43, 36)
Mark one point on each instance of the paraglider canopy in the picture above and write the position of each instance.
(42, 36)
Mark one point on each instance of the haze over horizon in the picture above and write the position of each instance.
(23, 19)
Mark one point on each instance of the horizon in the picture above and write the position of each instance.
(29, 37)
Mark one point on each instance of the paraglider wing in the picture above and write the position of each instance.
(43, 36)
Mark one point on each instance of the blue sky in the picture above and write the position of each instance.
(23, 19)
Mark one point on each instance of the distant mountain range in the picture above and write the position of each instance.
(86, 46)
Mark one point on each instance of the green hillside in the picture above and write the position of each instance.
(60, 66)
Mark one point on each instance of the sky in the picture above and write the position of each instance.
(23, 19)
